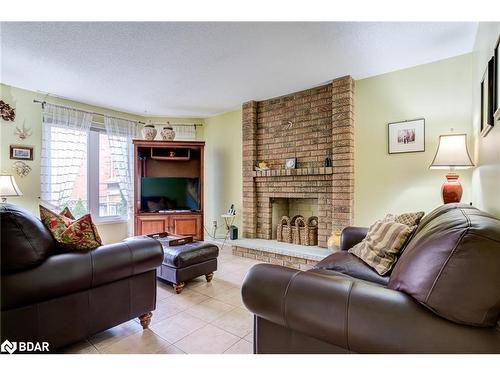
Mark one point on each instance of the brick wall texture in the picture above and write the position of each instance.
(308, 125)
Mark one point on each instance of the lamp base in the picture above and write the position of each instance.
(452, 189)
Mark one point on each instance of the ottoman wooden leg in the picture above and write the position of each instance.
(178, 287)
(209, 276)
(145, 319)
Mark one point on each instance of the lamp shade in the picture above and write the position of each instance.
(452, 153)
(8, 186)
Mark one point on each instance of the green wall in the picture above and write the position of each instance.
(440, 92)
(223, 174)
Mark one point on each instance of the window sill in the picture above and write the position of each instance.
(109, 221)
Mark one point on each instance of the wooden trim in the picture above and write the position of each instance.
(156, 143)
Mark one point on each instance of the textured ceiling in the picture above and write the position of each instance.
(201, 69)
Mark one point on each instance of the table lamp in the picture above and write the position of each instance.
(452, 154)
(8, 187)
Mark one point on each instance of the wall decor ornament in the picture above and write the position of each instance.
(262, 166)
(23, 132)
(167, 133)
(487, 98)
(7, 112)
(21, 152)
(149, 132)
(21, 168)
(406, 136)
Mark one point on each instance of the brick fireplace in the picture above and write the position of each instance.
(308, 125)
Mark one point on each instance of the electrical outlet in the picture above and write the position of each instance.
(214, 223)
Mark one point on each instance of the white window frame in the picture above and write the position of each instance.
(93, 178)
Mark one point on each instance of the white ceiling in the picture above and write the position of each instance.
(201, 69)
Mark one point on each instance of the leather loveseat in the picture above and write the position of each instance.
(63, 297)
(443, 295)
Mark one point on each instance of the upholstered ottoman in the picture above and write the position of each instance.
(185, 262)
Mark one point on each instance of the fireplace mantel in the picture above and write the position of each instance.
(293, 172)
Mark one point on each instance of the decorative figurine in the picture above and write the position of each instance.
(7, 112)
(328, 160)
(262, 166)
(23, 133)
(21, 168)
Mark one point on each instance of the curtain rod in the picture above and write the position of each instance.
(101, 114)
(82, 110)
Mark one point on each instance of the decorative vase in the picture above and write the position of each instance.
(452, 189)
(149, 132)
(167, 133)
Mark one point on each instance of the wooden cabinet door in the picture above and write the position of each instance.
(186, 225)
(151, 225)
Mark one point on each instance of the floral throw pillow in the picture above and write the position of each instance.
(71, 234)
(67, 213)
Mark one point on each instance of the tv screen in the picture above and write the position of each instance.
(169, 193)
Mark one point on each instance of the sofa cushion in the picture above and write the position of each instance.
(188, 254)
(25, 242)
(71, 234)
(452, 263)
(351, 265)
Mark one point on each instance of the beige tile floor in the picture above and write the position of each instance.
(204, 318)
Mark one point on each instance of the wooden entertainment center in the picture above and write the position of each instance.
(177, 165)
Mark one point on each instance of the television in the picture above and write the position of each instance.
(159, 194)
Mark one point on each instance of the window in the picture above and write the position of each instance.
(106, 200)
(67, 160)
(96, 188)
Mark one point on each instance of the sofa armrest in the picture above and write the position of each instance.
(356, 315)
(67, 273)
(130, 257)
(351, 236)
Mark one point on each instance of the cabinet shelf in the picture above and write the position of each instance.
(171, 154)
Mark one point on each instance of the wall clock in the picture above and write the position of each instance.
(290, 163)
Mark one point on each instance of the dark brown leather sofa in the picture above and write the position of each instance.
(60, 297)
(443, 295)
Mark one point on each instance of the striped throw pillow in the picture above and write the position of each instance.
(384, 241)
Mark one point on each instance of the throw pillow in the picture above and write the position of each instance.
(67, 213)
(411, 218)
(384, 241)
(80, 234)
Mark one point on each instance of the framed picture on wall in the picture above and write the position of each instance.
(21, 152)
(487, 98)
(497, 82)
(406, 136)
